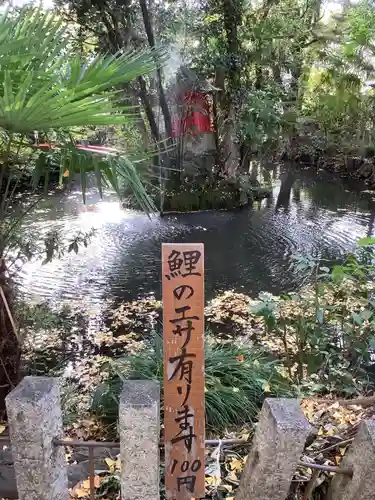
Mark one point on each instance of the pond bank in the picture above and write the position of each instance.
(322, 341)
(200, 191)
(310, 151)
(357, 168)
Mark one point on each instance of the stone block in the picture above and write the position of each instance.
(278, 444)
(361, 458)
(35, 419)
(139, 431)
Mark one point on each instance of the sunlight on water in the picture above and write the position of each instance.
(249, 250)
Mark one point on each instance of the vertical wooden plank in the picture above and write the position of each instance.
(183, 332)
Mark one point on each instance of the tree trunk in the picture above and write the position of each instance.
(219, 107)
(161, 93)
(276, 71)
(296, 73)
(148, 109)
(226, 135)
(232, 18)
(258, 77)
(142, 130)
(10, 349)
(164, 160)
(283, 200)
(231, 145)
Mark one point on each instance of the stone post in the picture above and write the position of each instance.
(278, 444)
(34, 416)
(139, 431)
(360, 457)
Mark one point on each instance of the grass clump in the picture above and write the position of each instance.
(237, 379)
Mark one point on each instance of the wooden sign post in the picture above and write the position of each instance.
(183, 332)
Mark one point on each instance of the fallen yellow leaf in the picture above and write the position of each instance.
(227, 487)
(82, 489)
(2, 428)
(86, 484)
(97, 481)
(236, 464)
(267, 387)
(213, 480)
(80, 493)
(330, 432)
(232, 476)
(111, 464)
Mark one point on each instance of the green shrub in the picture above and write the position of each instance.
(236, 381)
(327, 328)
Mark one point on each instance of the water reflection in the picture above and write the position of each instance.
(286, 184)
(248, 250)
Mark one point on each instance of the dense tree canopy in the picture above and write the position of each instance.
(294, 77)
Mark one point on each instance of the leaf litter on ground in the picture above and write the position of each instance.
(228, 316)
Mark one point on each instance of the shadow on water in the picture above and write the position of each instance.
(248, 250)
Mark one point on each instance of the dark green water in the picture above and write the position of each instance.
(248, 250)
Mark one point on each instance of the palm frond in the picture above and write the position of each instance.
(49, 40)
(45, 87)
(108, 170)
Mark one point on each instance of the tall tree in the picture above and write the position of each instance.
(232, 18)
(115, 26)
(162, 98)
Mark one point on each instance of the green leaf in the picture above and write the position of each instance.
(366, 314)
(47, 87)
(83, 176)
(320, 316)
(50, 87)
(357, 318)
(338, 274)
(98, 175)
(372, 343)
(366, 241)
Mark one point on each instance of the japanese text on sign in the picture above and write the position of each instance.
(183, 320)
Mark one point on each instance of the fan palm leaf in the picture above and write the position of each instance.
(45, 87)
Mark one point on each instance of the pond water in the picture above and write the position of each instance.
(249, 250)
